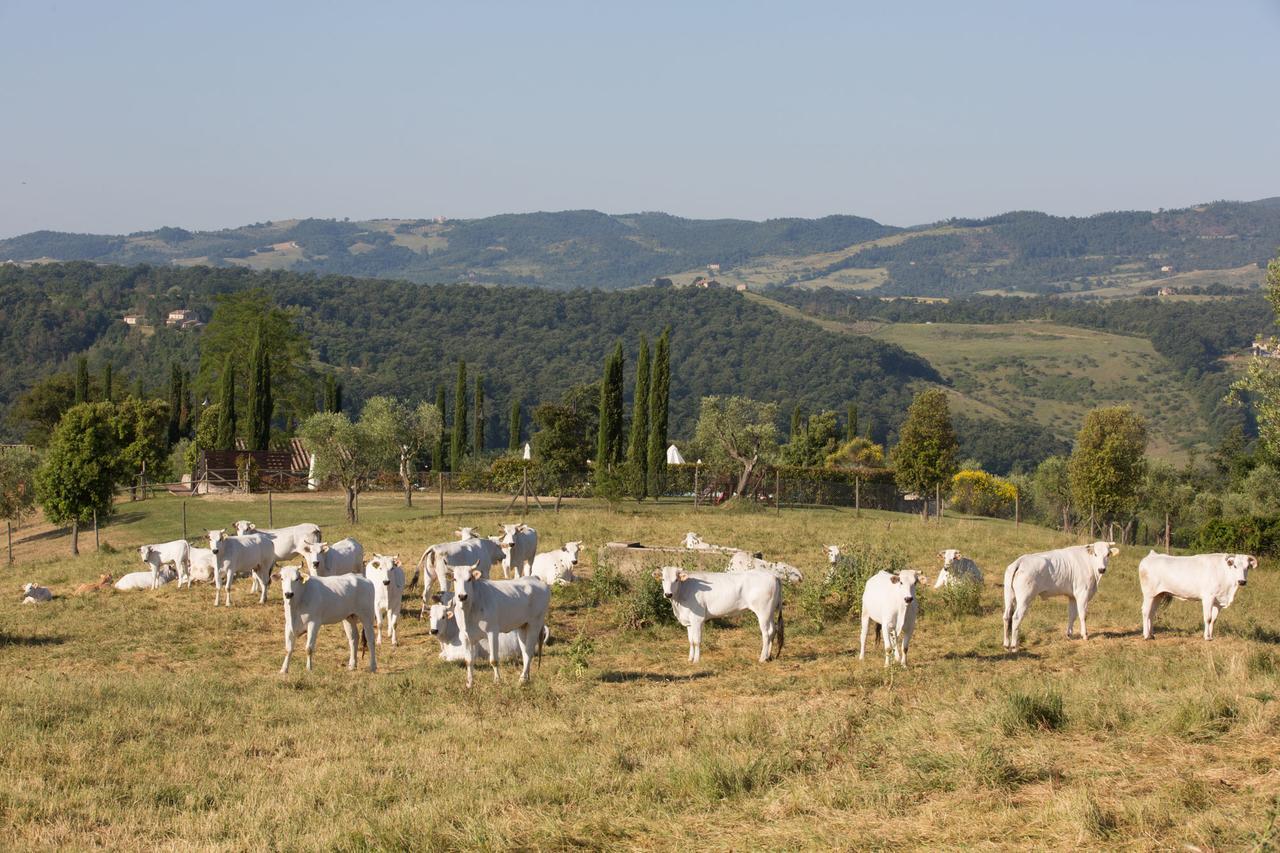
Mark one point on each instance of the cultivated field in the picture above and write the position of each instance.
(150, 719)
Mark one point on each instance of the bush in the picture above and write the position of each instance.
(605, 583)
(578, 654)
(839, 595)
(646, 606)
(980, 493)
(956, 599)
(1255, 534)
(1030, 712)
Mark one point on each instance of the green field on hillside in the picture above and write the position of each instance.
(151, 719)
(1053, 375)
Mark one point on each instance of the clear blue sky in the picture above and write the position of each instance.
(117, 117)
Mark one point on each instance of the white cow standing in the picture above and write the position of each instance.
(556, 567)
(698, 596)
(287, 541)
(176, 553)
(1071, 572)
(1214, 579)
(444, 627)
(491, 608)
(956, 568)
(742, 561)
(312, 602)
(346, 556)
(238, 556)
(519, 545)
(437, 560)
(890, 601)
(388, 584)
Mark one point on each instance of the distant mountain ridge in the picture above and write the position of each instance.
(1021, 251)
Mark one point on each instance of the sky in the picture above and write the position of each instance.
(119, 117)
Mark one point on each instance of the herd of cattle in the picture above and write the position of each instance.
(472, 615)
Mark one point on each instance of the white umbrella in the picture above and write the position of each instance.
(673, 456)
(527, 455)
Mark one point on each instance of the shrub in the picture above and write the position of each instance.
(980, 493)
(1248, 535)
(956, 599)
(1030, 712)
(578, 654)
(605, 583)
(839, 595)
(646, 606)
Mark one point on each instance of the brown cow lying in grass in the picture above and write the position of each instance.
(104, 582)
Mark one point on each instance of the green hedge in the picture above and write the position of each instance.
(1257, 535)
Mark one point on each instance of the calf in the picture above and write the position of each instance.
(176, 553)
(144, 580)
(33, 593)
(519, 545)
(556, 567)
(889, 600)
(1214, 579)
(202, 563)
(346, 556)
(833, 557)
(490, 608)
(315, 601)
(956, 568)
(388, 584)
(238, 556)
(286, 541)
(104, 582)
(1070, 572)
(444, 627)
(741, 561)
(698, 596)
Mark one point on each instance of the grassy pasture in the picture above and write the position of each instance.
(150, 719)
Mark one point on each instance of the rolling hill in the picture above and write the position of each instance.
(1116, 254)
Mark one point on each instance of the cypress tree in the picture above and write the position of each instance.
(609, 447)
(638, 446)
(267, 402)
(851, 422)
(479, 430)
(438, 458)
(225, 437)
(82, 380)
(458, 441)
(107, 390)
(797, 422)
(659, 399)
(175, 401)
(260, 404)
(186, 410)
(513, 437)
(330, 390)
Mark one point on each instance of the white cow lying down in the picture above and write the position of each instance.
(1070, 572)
(144, 580)
(444, 627)
(955, 568)
(698, 596)
(889, 600)
(694, 542)
(556, 567)
(741, 561)
(33, 593)
(1214, 579)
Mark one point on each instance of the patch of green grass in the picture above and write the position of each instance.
(1033, 711)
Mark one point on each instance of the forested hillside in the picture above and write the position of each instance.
(405, 339)
(1027, 252)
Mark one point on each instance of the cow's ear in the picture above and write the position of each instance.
(448, 614)
(476, 575)
(1253, 562)
(437, 597)
(1114, 551)
(657, 575)
(942, 554)
(894, 579)
(1088, 549)
(275, 576)
(684, 576)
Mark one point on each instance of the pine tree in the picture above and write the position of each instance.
(225, 436)
(82, 380)
(107, 390)
(638, 445)
(332, 394)
(479, 430)
(442, 441)
(609, 447)
(659, 399)
(513, 437)
(458, 440)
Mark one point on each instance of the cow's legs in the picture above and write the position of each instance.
(766, 635)
(890, 642)
(862, 644)
(695, 640)
(1019, 611)
(313, 629)
(525, 640)
(1072, 612)
(493, 654)
(1208, 618)
(288, 646)
(1149, 606)
(393, 619)
(1082, 605)
(366, 625)
(469, 655)
(349, 628)
(264, 579)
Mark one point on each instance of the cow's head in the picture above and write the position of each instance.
(312, 554)
(833, 553)
(692, 540)
(671, 577)
(26, 589)
(215, 538)
(572, 549)
(465, 533)
(464, 581)
(243, 528)
(145, 552)
(1099, 554)
(905, 583)
(291, 581)
(949, 556)
(1238, 566)
(383, 562)
(103, 580)
(441, 612)
(507, 537)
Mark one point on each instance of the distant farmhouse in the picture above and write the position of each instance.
(1166, 291)
(132, 319)
(183, 318)
(1265, 349)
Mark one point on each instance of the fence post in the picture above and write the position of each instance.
(271, 516)
(8, 535)
(96, 547)
(441, 475)
(695, 486)
(1017, 509)
(777, 491)
(184, 519)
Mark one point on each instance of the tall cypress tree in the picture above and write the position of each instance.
(851, 422)
(107, 379)
(185, 409)
(438, 458)
(638, 446)
(175, 401)
(82, 380)
(479, 430)
(609, 446)
(797, 422)
(225, 437)
(513, 437)
(659, 399)
(260, 404)
(458, 441)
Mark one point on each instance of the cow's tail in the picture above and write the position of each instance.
(364, 640)
(1009, 598)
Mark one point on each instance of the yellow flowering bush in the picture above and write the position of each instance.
(980, 493)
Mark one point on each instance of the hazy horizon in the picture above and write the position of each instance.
(217, 116)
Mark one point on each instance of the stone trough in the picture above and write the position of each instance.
(632, 558)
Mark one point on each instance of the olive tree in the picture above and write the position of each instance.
(405, 432)
(738, 434)
(352, 453)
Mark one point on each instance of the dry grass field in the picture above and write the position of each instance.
(152, 720)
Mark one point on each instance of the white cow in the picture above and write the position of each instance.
(444, 627)
(145, 580)
(388, 584)
(556, 567)
(694, 542)
(1211, 578)
(33, 593)
(889, 600)
(287, 541)
(741, 561)
(438, 559)
(321, 559)
(698, 596)
(202, 563)
(312, 602)
(1071, 572)
(519, 545)
(237, 556)
(833, 557)
(956, 568)
(176, 553)
(490, 608)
